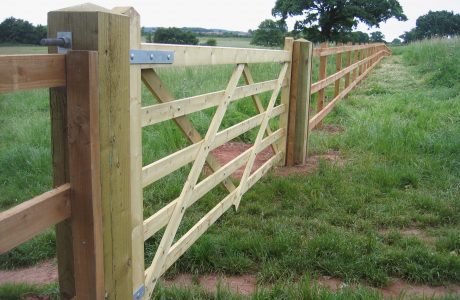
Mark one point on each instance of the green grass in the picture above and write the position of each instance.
(401, 148)
(21, 291)
(22, 49)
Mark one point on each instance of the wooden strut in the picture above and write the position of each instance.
(159, 90)
(158, 262)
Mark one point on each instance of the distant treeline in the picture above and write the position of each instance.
(434, 24)
(18, 31)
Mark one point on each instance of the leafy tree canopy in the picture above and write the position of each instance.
(173, 35)
(269, 34)
(14, 30)
(438, 24)
(377, 37)
(333, 18)
(434, 24)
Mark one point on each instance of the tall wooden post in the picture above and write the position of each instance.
(322, 75)
(84, 170)
(348, 63)
(285, 91)
(299, 103)
(338, 68)
(101, 30)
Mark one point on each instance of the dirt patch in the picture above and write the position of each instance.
(330, 128)
(312, 164)
(247, 284)
(401, 288)
(412, 232)
(43, 273)
(229, 151)
(243, 285)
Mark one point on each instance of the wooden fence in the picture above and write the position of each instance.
(97, 122)
(74, 204)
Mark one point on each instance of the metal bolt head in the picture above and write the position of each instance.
(132, 56)
(151, 56)
(169, 56)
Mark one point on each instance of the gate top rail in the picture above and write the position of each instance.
(20, 72)
(187, 56)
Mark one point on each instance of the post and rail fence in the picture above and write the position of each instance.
(97, 119)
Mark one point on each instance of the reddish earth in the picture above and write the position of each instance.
(330, 128)
(412, 232)
(46, 272)
(43, 273)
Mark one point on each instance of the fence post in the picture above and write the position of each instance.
(101, 30)
(299, 103)
(322, 75)
(288, 46)
(347, 64)
(338, 68)
(84, 169)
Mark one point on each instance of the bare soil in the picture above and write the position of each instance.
(42, 273)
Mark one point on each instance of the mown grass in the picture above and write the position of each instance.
(401, 148)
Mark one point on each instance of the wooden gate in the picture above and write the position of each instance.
(199, 151)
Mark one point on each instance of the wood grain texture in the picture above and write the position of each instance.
(205, 55)
(299, 102)
(94, 28)
(322, 75)
(26, 220)
(84, 169)
(20, 72)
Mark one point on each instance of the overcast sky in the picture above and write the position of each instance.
(238, 15)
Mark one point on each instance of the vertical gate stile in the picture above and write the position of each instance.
(155, 269)
(136, 199)
(285, 95)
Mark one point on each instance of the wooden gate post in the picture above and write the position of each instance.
(299, 103)
(107, 32)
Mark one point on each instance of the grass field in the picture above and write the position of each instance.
(401, 167)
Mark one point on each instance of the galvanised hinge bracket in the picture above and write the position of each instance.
(151, 57)
(63, 41)
(139, 293)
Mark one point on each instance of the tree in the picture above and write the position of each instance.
(396, 42)
(269, 34)
(377, 37)
(334, 18)
(173, 35)
(14, 30)
(410, 36)
(438, 24)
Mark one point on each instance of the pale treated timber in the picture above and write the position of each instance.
(28, 219)
(285, 96)
(322, 75)
(20, 72)
(315, 120)
(338, 67)
(190, 184)
(169, 164)
(319, 52)
(158, 89)
(299, 102)
(137, 197)
(99, 29)
(247, 171)
(348, 64)
(84, 168)
(319, 85)
(158, 220)
(176, 108)
(213, 215)
(188, 56)
(257, 102)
